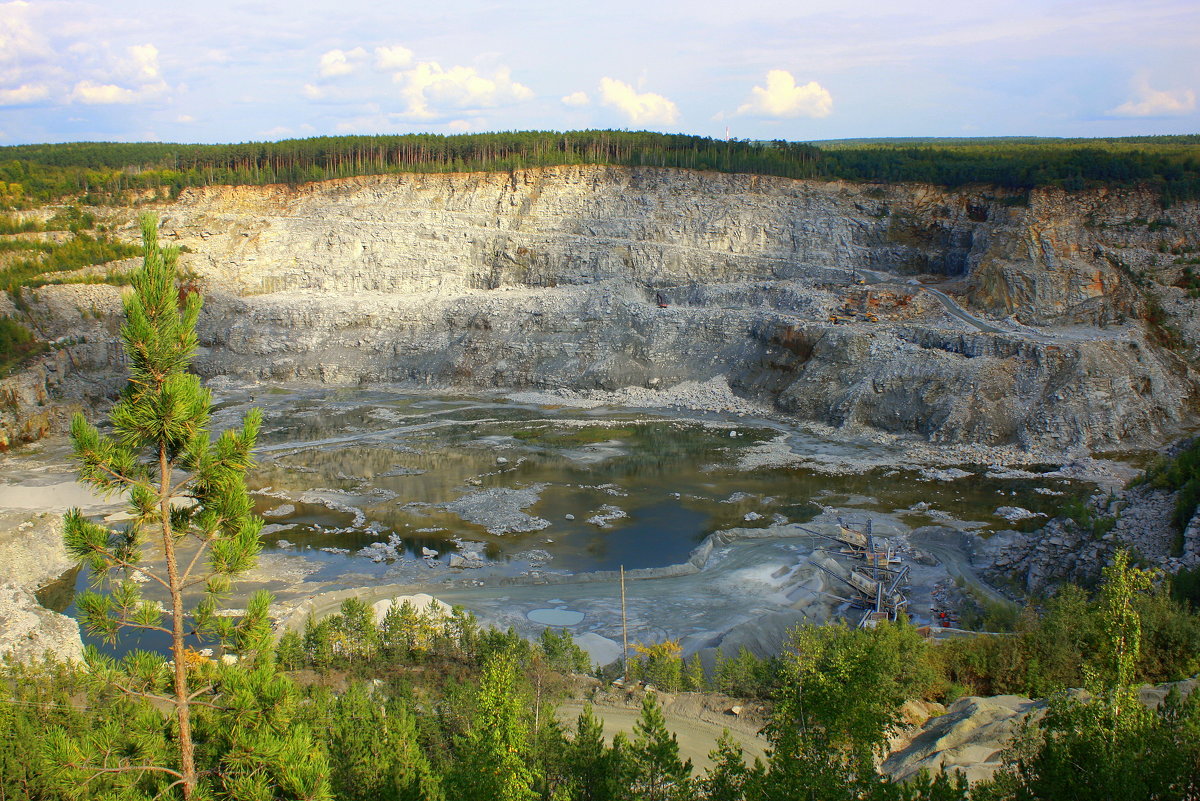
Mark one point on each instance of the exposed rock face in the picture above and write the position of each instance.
(1053, 260)
(971, 736)
(1064, 551)
(80, 372)
(548, 279)
(32, 556)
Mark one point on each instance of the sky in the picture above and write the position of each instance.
(235, 71)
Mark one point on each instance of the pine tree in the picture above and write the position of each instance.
(837, 702)
(376, 754)
(494, 754)
(726, 779)
(590, 762)
(289, 652)
(253, 743)
(693, 675)
(655, 771)
(318, 643)
(1130, 752)
(187, 495)
(355, 631)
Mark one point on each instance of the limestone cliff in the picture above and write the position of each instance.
(548, 278)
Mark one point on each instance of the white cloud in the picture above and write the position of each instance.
(185, 118)
(392, 58)
(144, 59)
(19, 42)
(25, 93)
(1150, 102)
(576, 99)
(640, 108)
(313, 92)
(26, 57)
(427, 88)
(458, 126)
(368, 124)
(782, 98)
(341, 62)
(139, 71)
(94, 93)
(278, 132)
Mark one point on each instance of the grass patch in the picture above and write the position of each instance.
(82, 251)
(1086, 518)
(1181, 475)
(11, 225)
(17, 345)
(69, 219)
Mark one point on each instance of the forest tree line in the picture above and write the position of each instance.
(103, 172)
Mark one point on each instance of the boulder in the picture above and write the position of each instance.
(968, 738)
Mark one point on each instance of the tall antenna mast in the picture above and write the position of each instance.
(624, 633)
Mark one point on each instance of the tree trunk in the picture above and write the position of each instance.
(182, 707)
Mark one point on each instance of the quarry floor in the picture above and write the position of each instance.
(334, 463)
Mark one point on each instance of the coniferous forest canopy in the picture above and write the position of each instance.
(98, 172)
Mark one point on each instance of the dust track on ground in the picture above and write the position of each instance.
(696, 727)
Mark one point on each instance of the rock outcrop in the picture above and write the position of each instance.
(969, 738)
(80, 372)
(32, 556)
(972, 734)
(1063, 550)
(549, 278)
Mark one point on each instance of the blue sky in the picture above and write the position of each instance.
(233, 70)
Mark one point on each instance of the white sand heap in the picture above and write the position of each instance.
(422, 603)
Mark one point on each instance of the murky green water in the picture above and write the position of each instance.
(354, 467)
(358, 482)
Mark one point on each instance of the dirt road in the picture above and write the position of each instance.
(696, 736)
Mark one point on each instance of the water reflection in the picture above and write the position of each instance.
(347, 468)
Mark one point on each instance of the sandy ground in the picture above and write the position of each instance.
(695, 731)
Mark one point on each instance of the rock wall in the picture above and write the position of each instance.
(32, 556)
(1054, 258)
(971, 736)
(81, 372)
(548, 278)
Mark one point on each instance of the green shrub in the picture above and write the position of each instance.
(1185, 587)
(1081, 511)
(17, 344)
(81, 251)
(1180, 474)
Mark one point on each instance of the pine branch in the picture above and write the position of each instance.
(142, 694)
(195, 557)
(193, 695)
(175, 489)
(168, 788)
(118, 562)
(123, 622)
(118, 476)
(97, 772)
